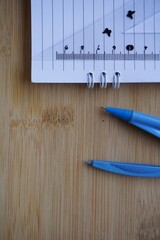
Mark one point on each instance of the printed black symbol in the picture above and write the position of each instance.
(130, 48)
(114, 48)
(66, 47)
(130, 14)
(107, 31)
(82, 47)
(98, 48)
(145, 48)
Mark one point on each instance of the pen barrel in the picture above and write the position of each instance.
(128, 169)
(146, 122)
(145, 119)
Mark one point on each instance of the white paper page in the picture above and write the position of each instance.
(71, 38)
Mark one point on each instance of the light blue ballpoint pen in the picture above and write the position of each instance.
(146, 122)
(128, 169)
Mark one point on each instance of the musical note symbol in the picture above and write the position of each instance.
(145, 48)
(65, 48)
(130, 48)
(98, 49)
(113, 49)
(81, 48)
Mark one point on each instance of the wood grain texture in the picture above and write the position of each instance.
(48, 131)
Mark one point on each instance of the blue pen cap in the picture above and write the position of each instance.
(123, 114)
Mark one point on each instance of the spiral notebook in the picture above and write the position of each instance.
(95, 41)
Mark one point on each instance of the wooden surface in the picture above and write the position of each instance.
(48, 131)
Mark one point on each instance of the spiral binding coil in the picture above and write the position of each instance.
(116, 80)
(90, 80)
(103, 81)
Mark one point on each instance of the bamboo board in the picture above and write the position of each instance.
(48, 131)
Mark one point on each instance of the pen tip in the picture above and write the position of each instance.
(89, 162)
(103, 108)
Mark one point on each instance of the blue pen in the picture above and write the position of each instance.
(128, 169)
(146, 122)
